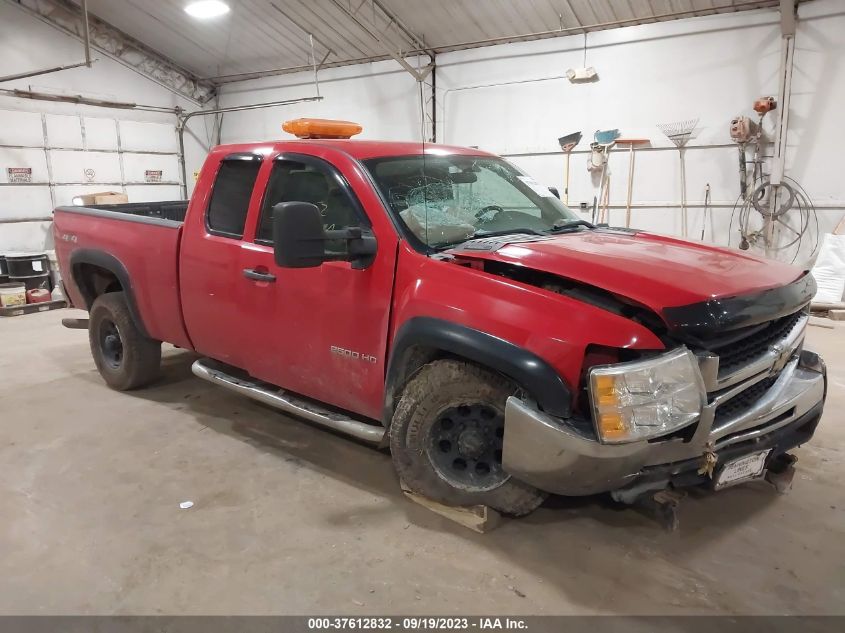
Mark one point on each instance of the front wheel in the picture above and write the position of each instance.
(125, 358)
(446, 438)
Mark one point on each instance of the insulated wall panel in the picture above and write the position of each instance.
(26, 237)
(153, 193)
(13, 158)
(65, 193)
(137, 136)
(24, 203)
(100, 133)
(64, 131)
(150, 168)
(21, 128)
(83, 167)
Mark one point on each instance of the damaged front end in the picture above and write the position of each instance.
(761, 395)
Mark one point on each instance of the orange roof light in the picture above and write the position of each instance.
(321, 128)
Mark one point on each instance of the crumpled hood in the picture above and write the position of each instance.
(654, 270)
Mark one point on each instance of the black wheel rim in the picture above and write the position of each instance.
(465, 447)
(111, 345)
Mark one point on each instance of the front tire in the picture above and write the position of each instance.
(446, 438)
(125, 358)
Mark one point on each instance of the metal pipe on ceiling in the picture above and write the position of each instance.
(87, 40)
(735, 6)
(185, 117)
(80, 100)
(86, 43)
(44, 71)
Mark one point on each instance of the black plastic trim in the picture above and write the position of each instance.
(242, 156)
(113, 265)
(527, 369)
(720, 315)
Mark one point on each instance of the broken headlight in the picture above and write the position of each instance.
(646, 398)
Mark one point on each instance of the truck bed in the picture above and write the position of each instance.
(139, 241)
(171, 210)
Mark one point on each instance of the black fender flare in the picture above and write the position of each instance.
(525, 368)
(108, 262)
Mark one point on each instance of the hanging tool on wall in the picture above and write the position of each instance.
(679, 133)
(567, 144)
(742, 130)
(706, 210)
(603, 141)
(631, 143)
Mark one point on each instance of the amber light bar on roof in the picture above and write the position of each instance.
(321, 128)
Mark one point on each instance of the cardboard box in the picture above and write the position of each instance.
(104, 197)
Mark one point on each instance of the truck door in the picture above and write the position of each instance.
(320, 332)
(212, 285)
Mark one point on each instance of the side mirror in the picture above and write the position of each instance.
(299, 239)
(555, 192)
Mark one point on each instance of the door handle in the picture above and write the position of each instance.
(251, 273)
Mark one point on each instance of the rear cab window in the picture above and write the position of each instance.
(233, 185)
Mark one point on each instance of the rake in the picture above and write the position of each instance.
(567, 144)
(679, 133)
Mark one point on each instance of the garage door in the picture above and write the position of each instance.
(48, 159)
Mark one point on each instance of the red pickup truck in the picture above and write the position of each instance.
(437, 300)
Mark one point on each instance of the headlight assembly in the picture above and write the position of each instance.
(646, 398)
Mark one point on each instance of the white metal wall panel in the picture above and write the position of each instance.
(73, 167)
(21, 128)
(153, 193)
(24, 202)
(64, 193)
(26, 237)
(31, 158)
(100, 133)
(136, 165)
(64, 131)
(137, 136)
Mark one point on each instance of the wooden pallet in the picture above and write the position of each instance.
(477, 518)
(29, 308)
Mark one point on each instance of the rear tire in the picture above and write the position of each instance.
(446, 438)
(125, 358)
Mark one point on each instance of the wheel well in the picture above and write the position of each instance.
(422, 339)
(416, 357)
(94, 281)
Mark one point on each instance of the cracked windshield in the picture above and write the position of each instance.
(446, 200)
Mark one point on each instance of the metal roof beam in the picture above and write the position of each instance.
(381, 37)
(66, 16)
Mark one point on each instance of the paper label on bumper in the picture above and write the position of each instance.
(742, 469)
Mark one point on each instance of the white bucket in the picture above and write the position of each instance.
(13, 294)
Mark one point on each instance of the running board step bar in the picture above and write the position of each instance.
(279, 399)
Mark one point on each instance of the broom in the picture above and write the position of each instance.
(567, 144)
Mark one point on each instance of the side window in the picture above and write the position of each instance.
(292, 181)
(230, 196)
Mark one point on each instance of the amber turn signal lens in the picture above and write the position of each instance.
(321, 128)
(612, 426)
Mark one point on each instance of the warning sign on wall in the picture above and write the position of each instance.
(152, 175)
(19, 174)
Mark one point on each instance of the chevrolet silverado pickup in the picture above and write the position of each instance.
(439, 301)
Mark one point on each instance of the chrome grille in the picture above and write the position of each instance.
(736, 353)
(744, 400)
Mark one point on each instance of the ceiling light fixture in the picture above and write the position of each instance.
(206, 9)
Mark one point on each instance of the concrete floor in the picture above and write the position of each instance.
(288, 518)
